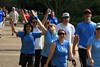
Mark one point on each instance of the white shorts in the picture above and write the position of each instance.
(1, 25)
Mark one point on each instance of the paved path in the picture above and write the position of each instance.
(10, 46)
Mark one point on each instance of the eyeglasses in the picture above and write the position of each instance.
(61, 33)
(98, 29)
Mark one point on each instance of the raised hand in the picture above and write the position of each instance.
(34, 13)
(49, 11)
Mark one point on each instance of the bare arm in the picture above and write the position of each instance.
(76, 39)
(45, 16)
(89, 54)
(39, 22)
(70, 53)
(24, 16)
(12, 26)
(52, 50)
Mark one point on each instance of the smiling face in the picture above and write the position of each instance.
(66, 20)
(61, 33)
(28, 28)
(34, 23)
(98, 31)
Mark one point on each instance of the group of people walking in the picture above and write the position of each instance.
(60, 40)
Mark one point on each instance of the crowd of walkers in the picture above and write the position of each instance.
(57, 48)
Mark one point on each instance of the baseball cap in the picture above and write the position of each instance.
(65, 15)
(87, 11)
(98, 26)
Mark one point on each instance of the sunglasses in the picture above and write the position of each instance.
(50, 26)
(87, 13)
(34, 22)
(61, 33)
(98, 29)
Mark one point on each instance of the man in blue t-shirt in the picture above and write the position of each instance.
(52, 18)
(2, 19)
(84, 31)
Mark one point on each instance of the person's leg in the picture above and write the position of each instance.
(30, 61)
(43, 61)
(83, 56)
(23, 60)
(0, 28)
(23, 66)
(37, 57)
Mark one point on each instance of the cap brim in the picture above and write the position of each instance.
(65, 17)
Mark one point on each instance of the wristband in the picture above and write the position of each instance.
(36, 17)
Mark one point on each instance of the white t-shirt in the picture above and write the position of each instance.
(14, 16)
(38, 41)
(70, 30)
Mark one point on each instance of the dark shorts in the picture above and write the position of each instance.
(53, 66)
(26, 59)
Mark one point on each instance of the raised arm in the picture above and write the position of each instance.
(70, 53)
(52, 50)
(12, 26)
(46, 16)
(24, 16)
(39, 22)
(76, 39)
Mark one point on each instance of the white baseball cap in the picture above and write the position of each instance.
(65, 14)
(98, 25)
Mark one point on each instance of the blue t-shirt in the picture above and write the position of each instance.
(2, 14)
(53, 20)
(28, 42)
(48, 39)
(60, 56)
(95, 52)
(85, 31)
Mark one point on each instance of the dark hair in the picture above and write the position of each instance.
(62, 30)
(25, 28)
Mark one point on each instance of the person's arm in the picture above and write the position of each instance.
(39, 22)
(76, 39)
(89, 47)
(52, 50)
(12, 26)
(45, 16)
(70, 52)
(24, 16)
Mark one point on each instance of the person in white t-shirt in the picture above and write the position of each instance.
(14, 15)
(38, 43)
(68, 27)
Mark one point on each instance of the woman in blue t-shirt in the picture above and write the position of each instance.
(27, 38)
(93, 49)
(59, 51)
(49, 37)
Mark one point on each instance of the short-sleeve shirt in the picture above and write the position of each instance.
(60, 56)
(95, 52)
(2, 14)
(38, 41)
(53, 20)
(48, 39)
(70, 30)
(28, 42)
(85, 30)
